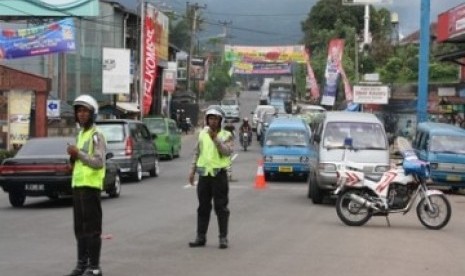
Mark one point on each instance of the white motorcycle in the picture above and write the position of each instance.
(359, 197)
(245, 140)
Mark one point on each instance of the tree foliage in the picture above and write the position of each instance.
(219, 79)
(329, 19)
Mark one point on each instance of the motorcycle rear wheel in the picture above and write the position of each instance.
(438, 217)
(351, 212)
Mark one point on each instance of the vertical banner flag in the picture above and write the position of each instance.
(55, 37)
(19, 114)
(150, 58)
(313, 84)
(332, 71)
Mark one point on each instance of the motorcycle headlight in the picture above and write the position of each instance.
(327, 167)
(381, 169)
(268, 158)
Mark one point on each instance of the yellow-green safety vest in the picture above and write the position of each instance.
(210, 160)
(85, 176)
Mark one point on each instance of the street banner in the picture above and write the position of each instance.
(262, 68)
(149, 58)
(48, 8)
(19, 114)
(251, 54)
(311, 80)
(169, 80)
(116, 71)
(56, 37)
(332, 71)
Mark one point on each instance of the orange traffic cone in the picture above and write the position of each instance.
(260, 182)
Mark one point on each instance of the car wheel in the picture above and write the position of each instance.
(115, 190)
(171, 154)
(17, 199)
(137, 175)
(178, 153)
(155, 171)
(315, 192)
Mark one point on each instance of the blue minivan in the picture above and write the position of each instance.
(443, 145)
(286, 148)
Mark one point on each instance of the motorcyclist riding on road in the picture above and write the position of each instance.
(245, 127)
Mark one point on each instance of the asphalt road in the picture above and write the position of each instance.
(274, 231)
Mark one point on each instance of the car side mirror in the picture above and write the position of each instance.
(154, 136)
(109, 155)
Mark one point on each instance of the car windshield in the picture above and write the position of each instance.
(228, 102)
(286, 138)
(156, 126)
(364, 135)
(45, 147)
(448, 144)
(112, 132)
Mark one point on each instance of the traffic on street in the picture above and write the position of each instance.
(275, 229)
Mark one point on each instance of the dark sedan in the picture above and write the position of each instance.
(43, 168)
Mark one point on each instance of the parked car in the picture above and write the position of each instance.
(286, 148)
(132, 145)
(231, 109)
(168, 141)
(42, 167)
(443, 146)
(371, 149)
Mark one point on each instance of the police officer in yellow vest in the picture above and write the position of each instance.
(88, 156)
(211, 160)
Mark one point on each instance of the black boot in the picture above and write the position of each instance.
(78, 270)
(223, 243)
(93, 271)
(198, 242)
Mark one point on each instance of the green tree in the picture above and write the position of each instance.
(219, 79)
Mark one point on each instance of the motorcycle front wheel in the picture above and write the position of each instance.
(437, 216)
(351, 212)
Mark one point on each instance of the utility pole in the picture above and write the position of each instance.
(192, 16)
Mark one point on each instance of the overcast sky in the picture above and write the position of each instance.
(273, 22)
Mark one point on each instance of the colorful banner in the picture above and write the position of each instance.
(251, 54)
(19, 114)
(311, 80)
(332, 71)
(55, 37)
(263, 68)
(161, 26)
(33, 8)
(149, 60)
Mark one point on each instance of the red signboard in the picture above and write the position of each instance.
(451, 24)
(150, 63)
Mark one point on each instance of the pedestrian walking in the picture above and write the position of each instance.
(211, 161)
(88, 156)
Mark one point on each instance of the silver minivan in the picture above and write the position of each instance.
(370, 149)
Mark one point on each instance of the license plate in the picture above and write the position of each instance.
(454, 178)
(285, 169)
(34, 187)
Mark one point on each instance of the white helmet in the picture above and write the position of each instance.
(87, 101)
(215, 110)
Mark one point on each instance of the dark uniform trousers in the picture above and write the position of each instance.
(88, 224)
(216, 188)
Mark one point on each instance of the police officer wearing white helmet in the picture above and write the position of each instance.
(211, 161)
(88, 156)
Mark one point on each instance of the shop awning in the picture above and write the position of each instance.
(128, 107)
(455, 57)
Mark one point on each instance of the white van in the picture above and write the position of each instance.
(371, 149)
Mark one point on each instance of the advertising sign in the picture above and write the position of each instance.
(451, 24)
(371, 94)
(258, 68)
(332, 71)
(55, 37)
(116, 71)
(19, 113)
(149, 60)
(169, 80)
(53, 108)
(251, 54)
(161, 25)
(49, 8)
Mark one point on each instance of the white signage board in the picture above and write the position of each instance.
(371, 94)
(53, 108)
(446, 92)
(116, 71)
